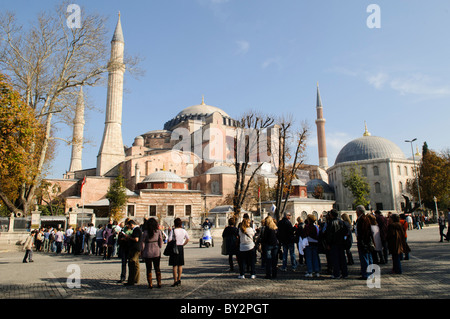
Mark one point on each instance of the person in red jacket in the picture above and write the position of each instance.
(404, 224)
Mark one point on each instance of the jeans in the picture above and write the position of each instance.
(337, 254)
(46, 245)
(271, 259)
(291, 248)
(29, 255)
(312, 258)
(396, 264)
(365, 258)
(247, 257)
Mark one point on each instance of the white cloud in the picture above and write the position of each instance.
(243, 47)
(419, 84)
(378, 80)
(271, 61)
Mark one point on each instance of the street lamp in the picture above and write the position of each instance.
(415, 170)
(435, 205)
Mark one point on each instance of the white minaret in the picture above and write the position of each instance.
(111, 150)
(77, 137)
(321, 140)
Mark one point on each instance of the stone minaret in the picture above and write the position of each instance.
(111, 151)
(321, 140)
(77, 138)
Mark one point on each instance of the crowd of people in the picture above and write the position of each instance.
(129, 241)
(375, 235)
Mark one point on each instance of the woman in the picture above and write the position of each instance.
(151, 250)
(311, 232)
(396, 242)
(108, 241)
(270, 243)
(177, 261)
(230, 237)
(349, 239)
(247, 254)
(377, 254)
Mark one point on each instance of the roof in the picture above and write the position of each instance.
(221, 170)
(369, 147)
(311, 185)
(118, 34)
(163, 176)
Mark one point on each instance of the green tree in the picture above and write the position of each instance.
(434, 178)
(117, 197)
(20, 139)
(357, 184)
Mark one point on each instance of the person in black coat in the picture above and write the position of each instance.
(230, 237)
(287, 241)
(269, 243)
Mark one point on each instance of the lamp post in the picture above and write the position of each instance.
(415, 170)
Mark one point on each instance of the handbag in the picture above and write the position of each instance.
(171, 247)
(224, 248)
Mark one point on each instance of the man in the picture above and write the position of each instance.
(90, 233)
(69, 234)
(364, 240)
(28, 247)
(123, 249)
(134, 252)
(287, 240)
(448, 221)
(383, 225)
(335, 235)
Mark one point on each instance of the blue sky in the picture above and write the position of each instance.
(269, 55)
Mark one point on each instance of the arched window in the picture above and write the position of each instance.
(375, 171)
(377, 187)
(406, 170)
(399, 170)
(364, 171)
(400, 187)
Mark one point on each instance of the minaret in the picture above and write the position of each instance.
(111, 151)
(77, 137)
(321, 140)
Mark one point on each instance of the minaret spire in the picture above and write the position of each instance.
(321, 139)
(111, 150)
(77, 137)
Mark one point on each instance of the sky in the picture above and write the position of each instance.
(388, 66)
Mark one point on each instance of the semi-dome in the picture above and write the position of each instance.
(369, 147)
(221, 170)
(163, 176)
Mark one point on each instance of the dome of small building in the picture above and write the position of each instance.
(221, 170)
(312, 184)
(369, 147)
(163, 176)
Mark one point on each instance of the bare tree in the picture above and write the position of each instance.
(250, 150)
(288, 159)
(47, 64)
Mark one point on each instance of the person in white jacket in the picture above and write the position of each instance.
(28, 247)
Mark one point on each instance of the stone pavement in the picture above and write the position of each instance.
(206, 277)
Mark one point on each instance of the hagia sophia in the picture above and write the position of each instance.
(166, 178)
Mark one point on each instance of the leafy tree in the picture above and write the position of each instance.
(117, 197)
(20, 142)
(434, 178)
(47, 63)
(357, 184)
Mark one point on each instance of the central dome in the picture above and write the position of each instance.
(195, 112)
(369, 147)
(203, 109)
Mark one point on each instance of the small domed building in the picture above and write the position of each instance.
(385, 167)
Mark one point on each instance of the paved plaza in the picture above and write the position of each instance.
(206, 277)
